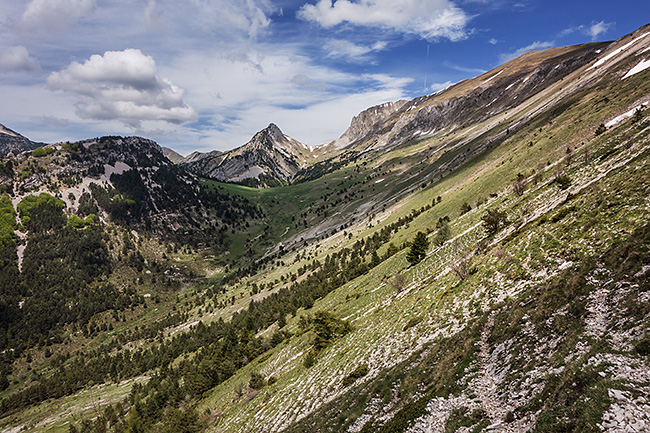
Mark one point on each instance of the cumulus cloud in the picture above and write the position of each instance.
(430, 19)
(340, 48)
(124, 86)
(49, 14)
(17, 59)
(539, 45)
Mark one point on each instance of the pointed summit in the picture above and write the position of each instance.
(270, 158)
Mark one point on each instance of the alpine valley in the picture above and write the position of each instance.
(473, 260)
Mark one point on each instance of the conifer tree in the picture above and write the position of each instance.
(418, 249)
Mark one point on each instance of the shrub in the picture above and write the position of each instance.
(358, 373)
(257, 381)
(40, 151)
(563, 181)
(494, 220)
(327, 328)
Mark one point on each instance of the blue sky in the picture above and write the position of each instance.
(208, 74)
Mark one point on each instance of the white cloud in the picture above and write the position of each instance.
(211, 16)
(539, 45)
(594, 30)
(53, 14)
(597, 29)
(450, 65)
(124, 86)
(430, 19)
(17, 59)
(436, 87)
(313, 103)
(340, 48)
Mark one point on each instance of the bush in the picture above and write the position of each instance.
(257, 381)
(563, 181)
(327, 328)
(358, 373)
(494, 220)
(40, 151)
(642, 347)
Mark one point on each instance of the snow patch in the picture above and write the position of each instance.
(494, 76)
(616, 52)
(622, 117)
(641, 66)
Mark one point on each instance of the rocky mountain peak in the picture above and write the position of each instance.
(11, 141)
(270, 158)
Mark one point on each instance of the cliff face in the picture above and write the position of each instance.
(366, 122)
(466, 103)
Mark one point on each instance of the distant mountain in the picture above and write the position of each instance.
(172, 155)
(270, 158)
(11, 141)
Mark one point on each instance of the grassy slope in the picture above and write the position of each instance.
(445, 306)
(448, 318)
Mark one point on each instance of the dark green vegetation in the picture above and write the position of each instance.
(495, 274)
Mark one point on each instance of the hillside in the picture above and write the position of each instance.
(473, 260)
(11, 141)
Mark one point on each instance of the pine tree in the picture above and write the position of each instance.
(418, 249)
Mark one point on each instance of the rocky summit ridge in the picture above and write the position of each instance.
(11, 141)
(270, 158)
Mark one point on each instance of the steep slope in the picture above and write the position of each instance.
(270, 158)
(11, 141)
(172, 155)
(473, 101)
(529, 311)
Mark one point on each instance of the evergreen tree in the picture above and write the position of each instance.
(418, 249)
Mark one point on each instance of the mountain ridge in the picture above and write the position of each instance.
(487, 273)
(11, 141)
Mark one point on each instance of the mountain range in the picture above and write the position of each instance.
(472, 260)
